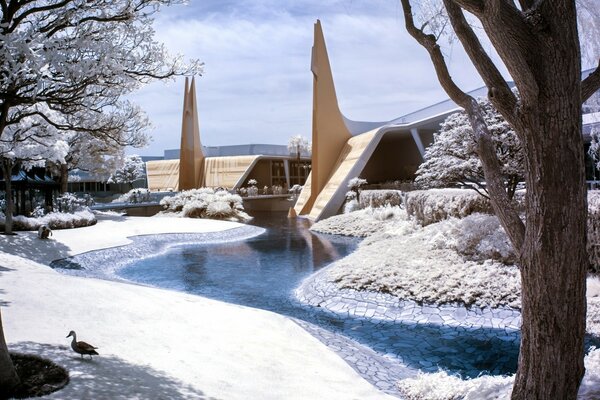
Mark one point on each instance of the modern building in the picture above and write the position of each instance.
(341, 149)
(376, 151)
(231, 167)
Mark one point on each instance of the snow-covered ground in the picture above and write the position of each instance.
(156, 343)
(464, 260)
(456, 260)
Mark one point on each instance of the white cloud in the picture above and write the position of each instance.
(257, 85)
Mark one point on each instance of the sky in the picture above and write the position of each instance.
(257, 86)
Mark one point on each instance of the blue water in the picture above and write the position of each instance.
(263, 271)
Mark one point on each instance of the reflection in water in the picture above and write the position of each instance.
(263, 271)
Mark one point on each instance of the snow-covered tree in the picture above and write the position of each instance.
(539, 45)
(101, 156)
(452, 158)
(30, 143)
(133, 169)
(297, 145)
(79, 58)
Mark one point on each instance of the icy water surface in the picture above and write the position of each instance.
(263, 271)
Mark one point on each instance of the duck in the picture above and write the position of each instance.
(82, 347)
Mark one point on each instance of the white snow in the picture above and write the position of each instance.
(440, 263)
(441, 386)
(155, 343)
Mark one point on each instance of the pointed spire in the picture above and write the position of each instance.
(191, 158)
(329, 131)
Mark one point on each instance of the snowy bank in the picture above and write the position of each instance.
(156, 343)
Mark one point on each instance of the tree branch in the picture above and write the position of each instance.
(503, 206)
(473, 6)
(499, 92)
(591, 84)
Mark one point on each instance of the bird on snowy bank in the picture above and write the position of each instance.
(82, 347)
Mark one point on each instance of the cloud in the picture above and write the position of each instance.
(257, 85)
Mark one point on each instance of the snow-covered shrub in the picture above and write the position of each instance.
(38, 212)
(54, 220)
(69, 203)
(252, 182)
(206, 203)
(363, 223)
(135, 196)
(356, 183)
(351, 206)
(219, 210)
(434, 205)
(422, 264)
(252, 191)
(175, 203)
(442, 386)
(379, 198)
(479, 237)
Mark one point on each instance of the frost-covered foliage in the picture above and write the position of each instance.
(479, 237)
(296, 189)
(351, 205)
(430, 264)
(452, 158)
(132, 170)
(54, 220)
(206, 203)
(433, 205)
(443, 386)
(298, 145)
(593, 312)
(360, 223)
(70, 203)
(356, 183)
(380, 198)
(135, 196)
(30, 140)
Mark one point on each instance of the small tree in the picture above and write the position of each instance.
(452, 158)
(133, 169)
(297, 145)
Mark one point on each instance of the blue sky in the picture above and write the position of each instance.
(257, 84)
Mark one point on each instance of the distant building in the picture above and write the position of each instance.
(194, 165)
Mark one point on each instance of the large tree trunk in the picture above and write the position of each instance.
(8, 219)
(64, 178)
(553, 258)
(8, 374)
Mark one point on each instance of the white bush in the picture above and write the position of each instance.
(351, 206)
(423, 264)
(54, 220)
(442, 386)
(434, 205)
(206, 203)
(380, 198)
(141, 195)
(479, 237)
(362, 223)
(70, 203)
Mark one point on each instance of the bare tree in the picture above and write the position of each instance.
(539, 45)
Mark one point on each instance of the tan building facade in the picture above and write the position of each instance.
(231, 167)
